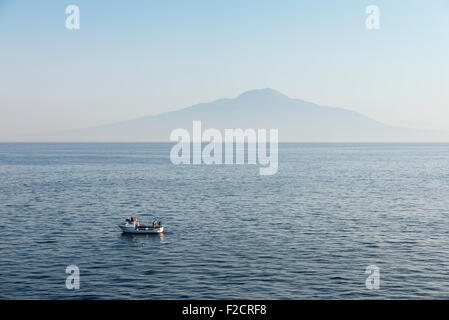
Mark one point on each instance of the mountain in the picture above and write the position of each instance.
(296, 120)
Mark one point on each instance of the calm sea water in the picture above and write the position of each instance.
(307, 232)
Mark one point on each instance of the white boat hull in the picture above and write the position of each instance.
(141, 229)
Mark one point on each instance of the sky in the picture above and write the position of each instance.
(137, 58)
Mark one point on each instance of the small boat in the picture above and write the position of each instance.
(132, 225)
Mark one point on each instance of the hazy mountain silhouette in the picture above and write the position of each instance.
(297, 120)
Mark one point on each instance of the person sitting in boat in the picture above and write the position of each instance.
(154, 223)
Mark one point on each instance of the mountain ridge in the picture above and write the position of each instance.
(297, 121)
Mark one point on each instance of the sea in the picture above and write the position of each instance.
(337, 221)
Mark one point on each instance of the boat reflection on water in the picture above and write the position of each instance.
(142, 239)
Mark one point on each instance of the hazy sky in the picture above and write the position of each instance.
(136, 58)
